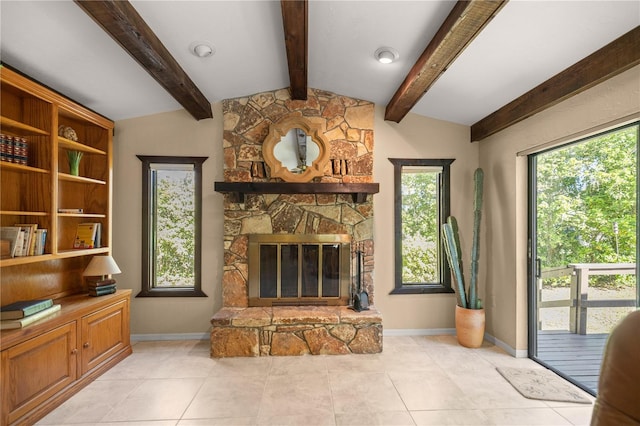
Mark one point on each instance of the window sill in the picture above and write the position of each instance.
(422, 289)
(171, 292)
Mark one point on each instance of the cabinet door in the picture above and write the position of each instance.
(37, 369)
(104, 334)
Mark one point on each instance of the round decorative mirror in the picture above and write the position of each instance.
(295, 150)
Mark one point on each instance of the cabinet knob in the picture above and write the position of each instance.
(74, 351)
(86, 345)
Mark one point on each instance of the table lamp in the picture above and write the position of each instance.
(101, 266)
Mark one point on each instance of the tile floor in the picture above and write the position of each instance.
(419, 380)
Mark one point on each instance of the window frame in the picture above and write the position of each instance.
(443, 212)
(147, 288)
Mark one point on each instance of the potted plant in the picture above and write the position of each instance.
(470, 315)
(74, 162)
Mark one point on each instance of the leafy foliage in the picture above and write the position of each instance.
(420, 229)
(175, 229)
(585, 191)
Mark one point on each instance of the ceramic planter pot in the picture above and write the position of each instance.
(470, 326)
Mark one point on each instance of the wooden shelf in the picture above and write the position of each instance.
(77, 146)
(22, 213)
(94, 215)
(23, 260)
(80, 179)
(18, 127)
(81, 252)
(359, 191)
(21, 168)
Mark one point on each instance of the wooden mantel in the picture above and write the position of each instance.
(359, 191)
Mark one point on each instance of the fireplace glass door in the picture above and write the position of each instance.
(299, 269)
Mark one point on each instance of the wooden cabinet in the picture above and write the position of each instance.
(39, 189)
(45, 363)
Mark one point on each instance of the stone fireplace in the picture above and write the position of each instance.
(305, 312)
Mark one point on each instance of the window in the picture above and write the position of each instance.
(171, 226)
(421, 206)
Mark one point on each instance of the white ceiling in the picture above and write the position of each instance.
(56, 43)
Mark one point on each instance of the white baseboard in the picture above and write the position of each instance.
(517, 353)
(173, 336)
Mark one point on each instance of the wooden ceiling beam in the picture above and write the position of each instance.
(613, 59)
(463, 24)
(123, 23)
(295, 22)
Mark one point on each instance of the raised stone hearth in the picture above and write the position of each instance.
(295, 330)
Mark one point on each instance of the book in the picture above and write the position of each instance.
(85, 235)
(102, 291)
(71, 211)
(23, 322)
(29, 242)
(24, 308)
(101, 283)
(10, 233)
(41, 241)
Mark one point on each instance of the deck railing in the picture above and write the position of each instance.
(579, 294)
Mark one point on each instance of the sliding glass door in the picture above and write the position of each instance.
(583, 247)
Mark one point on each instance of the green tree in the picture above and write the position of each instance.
(175, 229)
(584, 190)
(420, 229)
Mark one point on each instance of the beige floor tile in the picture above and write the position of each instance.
(137, 366)
(576, 415)
(385, 418)
(296, 395)
(255, 366)
(156, 399)
(178, 366)
(364, 363)
(525, 417)
(92, 403)
(227, 396)
(306, 420)
(427, 390)
(450, 417)
(298, 365)
(227, 421)
(366, 392)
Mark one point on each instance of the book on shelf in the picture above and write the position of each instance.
(24, 308)
(102, 291)
(101, 283)
(23, 322)
(11, 234)
(29, 241)
(86, 235)
(41, 241)
(70, 210)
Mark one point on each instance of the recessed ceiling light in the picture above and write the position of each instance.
(202, 49)
(386, 55)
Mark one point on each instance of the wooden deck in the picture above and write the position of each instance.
(577, 356)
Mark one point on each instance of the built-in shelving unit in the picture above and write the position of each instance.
(34, 192)
(46, 362)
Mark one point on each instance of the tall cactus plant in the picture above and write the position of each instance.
(451, 239)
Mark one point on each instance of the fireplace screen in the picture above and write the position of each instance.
(299, 269)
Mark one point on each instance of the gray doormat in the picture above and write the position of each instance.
(540, 383)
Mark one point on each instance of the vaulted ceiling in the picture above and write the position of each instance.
(486, 64)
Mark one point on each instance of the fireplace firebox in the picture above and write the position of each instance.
(299, 269)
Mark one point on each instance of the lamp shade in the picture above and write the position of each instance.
(101, 265)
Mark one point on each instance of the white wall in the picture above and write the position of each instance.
(172, 133)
